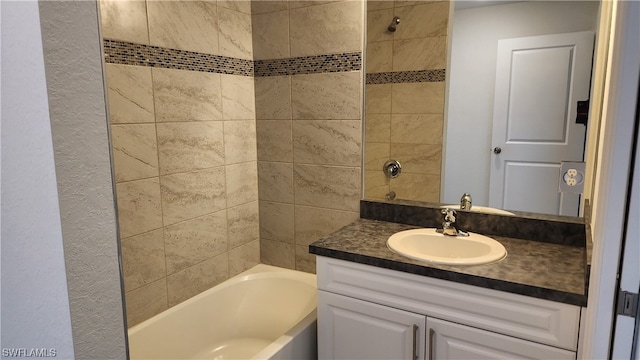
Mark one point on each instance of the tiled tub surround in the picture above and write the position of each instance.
(405, 93)
(182, 111)
(183, 108)
(309, 123)
(552, 267)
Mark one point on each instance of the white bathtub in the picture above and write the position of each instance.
(263, 313)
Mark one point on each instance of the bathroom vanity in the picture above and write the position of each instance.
(376, 304)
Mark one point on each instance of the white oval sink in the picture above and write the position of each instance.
(482, 209)
(431, 246)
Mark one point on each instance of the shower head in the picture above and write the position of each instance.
(394, 22)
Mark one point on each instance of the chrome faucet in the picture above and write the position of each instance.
(449, 225)
(465, 202)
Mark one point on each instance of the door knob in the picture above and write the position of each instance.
(497, 150)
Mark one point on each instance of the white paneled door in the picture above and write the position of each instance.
(539, 81)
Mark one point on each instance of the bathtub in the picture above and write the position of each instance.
(265, 312)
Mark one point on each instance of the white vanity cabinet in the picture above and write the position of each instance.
(366, 312)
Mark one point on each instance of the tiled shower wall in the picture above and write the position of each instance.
(405, 97)
(309, 127)
(184, 146)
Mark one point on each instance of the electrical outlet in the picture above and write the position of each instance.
(572, 177)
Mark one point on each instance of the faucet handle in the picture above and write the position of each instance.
(449, 215)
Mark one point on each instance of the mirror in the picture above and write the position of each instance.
(447, 96)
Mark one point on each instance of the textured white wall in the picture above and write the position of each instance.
(35, 304)
(469, 109)
(75, 86)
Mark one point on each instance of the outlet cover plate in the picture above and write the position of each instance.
(572, 176)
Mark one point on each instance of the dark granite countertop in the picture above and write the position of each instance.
(543, 270)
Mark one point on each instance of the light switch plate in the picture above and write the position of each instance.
(572, 175)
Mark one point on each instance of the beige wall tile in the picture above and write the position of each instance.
(420, 54)
(182, 95)
(304, 260)
(187, 146)
(244, 257)
(328, 96)
(418, 158)
(377, 23)
(184, 25)
(294, 4)
(130, 94)
(274, 140)
(327, 142)
(378, 99)
(235, 34)
(124, 20)
(143, 259)
(277, 253)
(192, 194)
(243, 224)
(244, 6)
(135, 153)
(238, 101)
(413, 98)
(400, 3)
(327, 186)
(376, 184)
(193, 241)
(196, 279)
(240, 141)
(139, 208)
(422, 20)
(376, 154)
(379, 57)
(312, 223)
(417, 187)
(373, 5)
(416, 128)
(242, 183)
(271, 35)
(273, 97)
(264, 6)
(146, 301)
(275, 181)
(330, 28)
(377, 127)
(276, 221)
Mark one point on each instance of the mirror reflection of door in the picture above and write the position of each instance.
(475, 32)
(539, 81)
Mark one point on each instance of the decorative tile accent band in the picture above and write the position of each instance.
(309, 64)
(127, 53)
(121, 52)
(398, 77)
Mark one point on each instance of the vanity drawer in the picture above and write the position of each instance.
(542, 321)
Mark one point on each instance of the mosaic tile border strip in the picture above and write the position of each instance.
(127, 53)
(122, 52)
(398, 77)
(309, 64)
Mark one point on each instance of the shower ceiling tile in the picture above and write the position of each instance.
(185, 25)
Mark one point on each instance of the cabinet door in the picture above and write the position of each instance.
(447, 340)
(354, 329)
